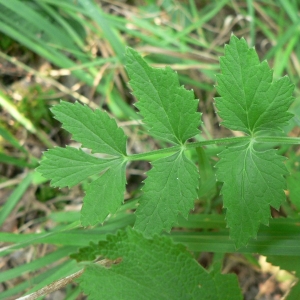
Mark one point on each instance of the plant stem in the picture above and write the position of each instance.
(228, 140)
(156, 154)
(278, 139)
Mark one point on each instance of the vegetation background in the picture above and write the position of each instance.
(74, 50)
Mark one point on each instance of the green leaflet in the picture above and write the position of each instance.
(251, 101)
(253, 180)
(169, 110)
(150, 269)
(170, 189)
(94, 129)
(104, 195)
(69, 166)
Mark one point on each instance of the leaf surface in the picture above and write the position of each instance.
(253, 180)
(94, 129)
(104, 195)
(69, 166)
(251, 101)
(151, 269)
(170, 189)
(169, 110)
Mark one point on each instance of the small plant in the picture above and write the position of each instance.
(145, 265)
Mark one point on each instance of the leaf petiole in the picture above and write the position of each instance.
(278, 139)
(156, 154)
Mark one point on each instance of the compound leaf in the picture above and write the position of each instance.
(94, 129)
(104, 195)
(253, 180)
(170, 189)
(251, 101)
(69, 166)
(150, 269)
(169, 110)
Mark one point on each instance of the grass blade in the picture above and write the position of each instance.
(14, 198)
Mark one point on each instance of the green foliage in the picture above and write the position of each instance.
(169, 189)
(69, 166)
(253, 177)
(111, 188)
(253, 180)
(41, 41)
(251, 101)
(169, 110)
(150, 269)
(94, 130)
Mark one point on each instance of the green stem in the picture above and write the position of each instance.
(152, 155)
(228, 140)
(168, 151)
(278, 140)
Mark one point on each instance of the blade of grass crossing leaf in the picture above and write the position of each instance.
(76, 237)
(265, 244)
(15, 197)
